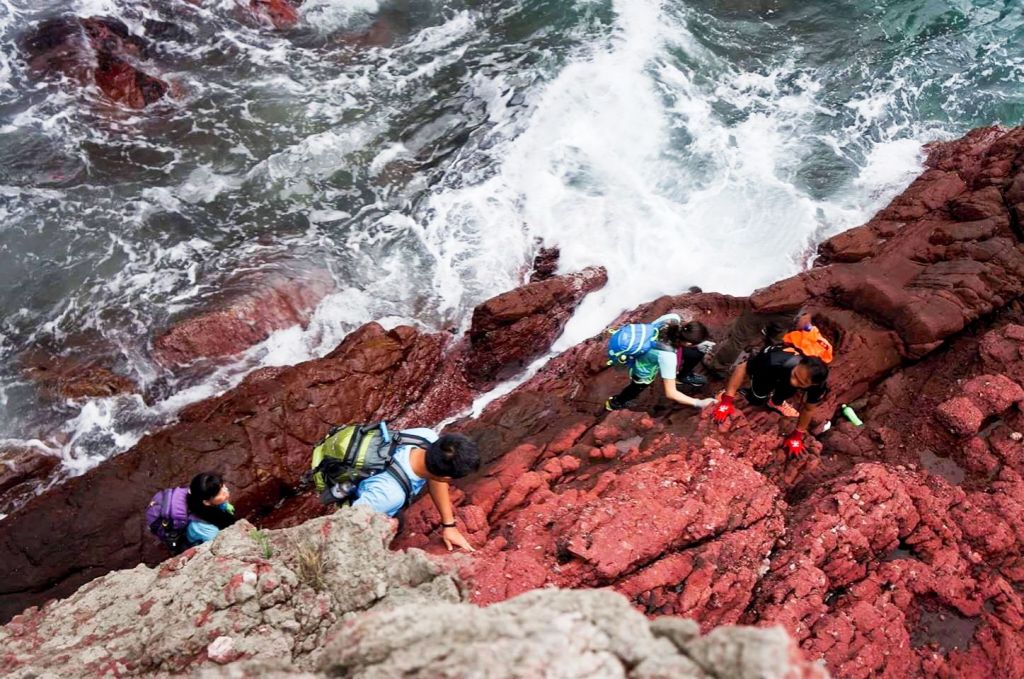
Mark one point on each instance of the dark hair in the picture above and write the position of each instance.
(206, 486)
(816, 369)
(452, 455)
(678, 334)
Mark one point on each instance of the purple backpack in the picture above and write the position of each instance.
(167, 517)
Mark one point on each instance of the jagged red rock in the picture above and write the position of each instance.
(279, 301)
(259, 435)
(516, 327)
(98, 50)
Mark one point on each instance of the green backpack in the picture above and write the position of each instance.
(351, 453)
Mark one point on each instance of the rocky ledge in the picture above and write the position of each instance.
(328, 598)
(892, 549)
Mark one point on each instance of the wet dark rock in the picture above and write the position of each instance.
(95, 50)
(238, 321)
(545, 264)
(71, 377)
(166, 30)
(21, 468)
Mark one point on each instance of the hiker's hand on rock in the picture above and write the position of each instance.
(724, 409)
(703, 403)
(453, 538)
(794, 444)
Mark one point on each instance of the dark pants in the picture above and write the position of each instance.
(691, 358)
(748, 331)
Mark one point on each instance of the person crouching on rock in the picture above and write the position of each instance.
(649, 350)
(451, 456)
(208, 507)
(185, 517)
(777, 373)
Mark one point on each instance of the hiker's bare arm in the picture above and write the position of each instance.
(736, 380)
(805, 416)
(439, 494)
(672, 392)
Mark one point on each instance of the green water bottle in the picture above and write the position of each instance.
(851, 416)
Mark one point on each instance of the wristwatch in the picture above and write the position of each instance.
(448, 525)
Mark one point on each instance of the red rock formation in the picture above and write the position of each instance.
(280, 301)
(281, 14)
(259, 436)
(870, 557)
(889, 550)
(97, 50)
(510, 330)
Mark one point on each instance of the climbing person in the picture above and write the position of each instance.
(806, 338)
(753, 331)
(750, 329)
(185, 517)
(649, 349)
(776, 374)
(369, 466)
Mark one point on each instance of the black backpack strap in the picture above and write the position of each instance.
(163, 518)
(398, 474)
(402, 439)
(357, 440)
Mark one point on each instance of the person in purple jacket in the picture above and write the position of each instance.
(185, 517)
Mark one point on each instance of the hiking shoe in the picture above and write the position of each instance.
(784, 409)
(610, 405)
(694, 380)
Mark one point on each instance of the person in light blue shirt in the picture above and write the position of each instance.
(662, 359)
(451, 456)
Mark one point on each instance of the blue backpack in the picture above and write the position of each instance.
(631, 341)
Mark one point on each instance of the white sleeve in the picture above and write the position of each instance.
(668, 364)
(423, 432)
(666, 318)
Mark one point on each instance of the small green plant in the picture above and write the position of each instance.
(263, 540)
(313, 563)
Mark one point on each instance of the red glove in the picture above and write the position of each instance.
(794, 444)
(724, 409)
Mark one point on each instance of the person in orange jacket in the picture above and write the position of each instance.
(807, 339)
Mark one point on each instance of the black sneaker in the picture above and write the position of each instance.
(694, 380)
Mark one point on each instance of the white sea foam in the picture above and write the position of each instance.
(592, 175)
(328, 16)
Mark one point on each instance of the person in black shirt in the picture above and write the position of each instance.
(776, 374)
